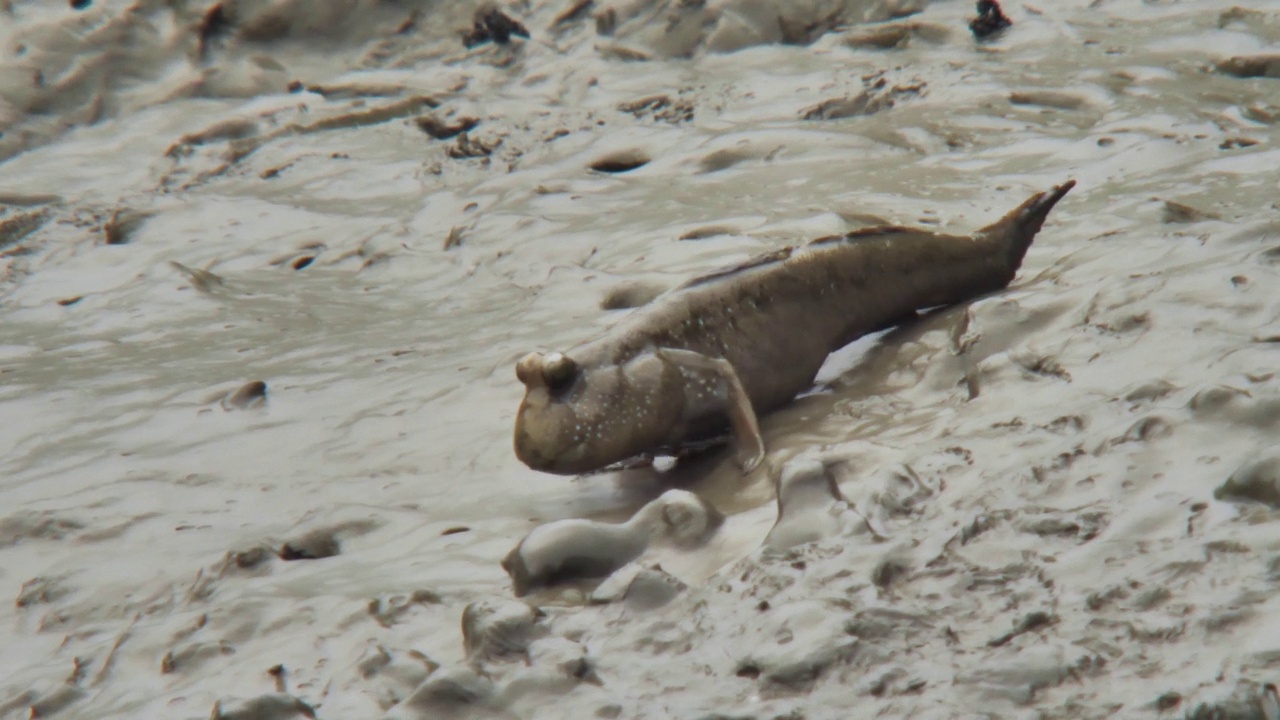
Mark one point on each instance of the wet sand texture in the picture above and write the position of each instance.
(1055, 501)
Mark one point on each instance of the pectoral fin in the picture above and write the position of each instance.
(742, 416)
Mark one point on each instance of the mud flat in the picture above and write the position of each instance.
(266, 268)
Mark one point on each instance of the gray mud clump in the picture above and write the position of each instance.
(620, 162)
(572, 550)
(1257, 481)
(265, 707)
(630, 295)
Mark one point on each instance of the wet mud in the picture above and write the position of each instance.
(266, 268)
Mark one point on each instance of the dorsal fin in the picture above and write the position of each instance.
(769, 258)
(861, 234)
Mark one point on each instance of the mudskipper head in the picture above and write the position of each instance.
(582, 416)
(549, 435)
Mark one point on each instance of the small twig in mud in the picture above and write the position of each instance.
(577, 10)
(991, 20)
(278, 672)
(239, 149)
(110, 661)
(340, 91)
(202, 280)
(122, 224)
(454, 239)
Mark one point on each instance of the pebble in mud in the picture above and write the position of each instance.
(577, 549)
(250, 395)
(620, 162)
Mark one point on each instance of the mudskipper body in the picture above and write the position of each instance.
(721, 349)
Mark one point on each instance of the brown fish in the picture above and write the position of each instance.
(747, 339)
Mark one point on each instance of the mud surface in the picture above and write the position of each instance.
(266, 267)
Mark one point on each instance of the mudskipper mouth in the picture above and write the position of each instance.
(564, 462)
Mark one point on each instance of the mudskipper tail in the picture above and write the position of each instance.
(1017, 229)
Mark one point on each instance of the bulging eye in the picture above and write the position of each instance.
(558, 371)
(528, 366)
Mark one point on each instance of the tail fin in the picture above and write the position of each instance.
(1017, 229)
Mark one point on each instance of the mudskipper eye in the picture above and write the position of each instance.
(558, 371)
(528, 366)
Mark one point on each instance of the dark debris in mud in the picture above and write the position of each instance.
(251, 394)
(214, 25)
(467, 147)
(990, 21)
(312, 546)
(1250, 66)
(660, 107)
(493, 25)
(877, 95)
(444, 130)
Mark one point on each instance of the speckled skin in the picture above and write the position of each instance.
(774, 319)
